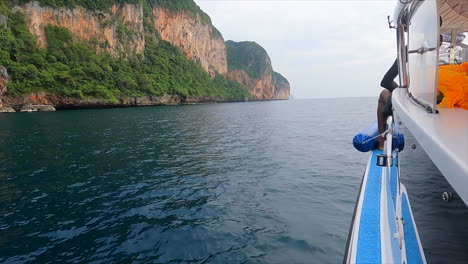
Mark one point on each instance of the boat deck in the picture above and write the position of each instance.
(372, 237)
(443, 136)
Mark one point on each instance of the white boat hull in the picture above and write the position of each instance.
(443, 136)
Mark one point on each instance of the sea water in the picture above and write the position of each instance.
(257, 182)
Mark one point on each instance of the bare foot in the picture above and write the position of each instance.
(381, 142)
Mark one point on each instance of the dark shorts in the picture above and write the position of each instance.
(387, 109)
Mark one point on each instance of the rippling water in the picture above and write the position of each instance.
(260, 182)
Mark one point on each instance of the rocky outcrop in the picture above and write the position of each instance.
(261, 88)
(199, 40)
(40, 102)
(7, 109)
(36, 108)
(35, 102)
(121, 29)
(281, 87)
(3, 83)
(250, 65)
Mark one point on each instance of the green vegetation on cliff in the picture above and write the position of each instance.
(247, 56)
(89, 4)
(173, 5)
(103, 5)
(278, 77)
(74, 69)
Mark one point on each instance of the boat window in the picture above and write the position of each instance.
(421, 62)
(423, 44)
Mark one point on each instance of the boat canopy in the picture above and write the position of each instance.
(454, 14)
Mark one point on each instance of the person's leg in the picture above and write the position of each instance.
(384, 95)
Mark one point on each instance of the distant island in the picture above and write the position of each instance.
(85, 54)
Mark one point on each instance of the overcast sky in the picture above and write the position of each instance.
(334, 48)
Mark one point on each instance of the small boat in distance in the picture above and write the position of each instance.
(383, 229)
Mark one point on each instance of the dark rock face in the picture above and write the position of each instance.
(3, 82)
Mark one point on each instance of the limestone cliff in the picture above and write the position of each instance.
(199, 40)
(250, 65)
(119, 29)
(127, 28)
(282, 88)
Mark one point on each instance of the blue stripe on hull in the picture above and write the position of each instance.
(413, 254)
(368, 246)
(373, 240)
